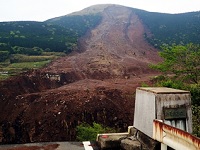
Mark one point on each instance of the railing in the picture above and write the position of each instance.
(174, 137)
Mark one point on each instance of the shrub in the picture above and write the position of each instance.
(86, 132)
(196, 120)
(3, 55)
(144, 84)
(177, 84)
(195, 93)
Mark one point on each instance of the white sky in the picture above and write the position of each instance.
(41, 10)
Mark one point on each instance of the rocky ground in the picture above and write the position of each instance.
(95, 84)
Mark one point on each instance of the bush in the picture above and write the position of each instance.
(195, 94)
(3, 55)
(85, 132)
(27, 51)
(196, 120)
(144, 84)
(176, 84)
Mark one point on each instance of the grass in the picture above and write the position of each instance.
(17, 58)
(3, 77)
(28, 65)
(53, 53)
(16, 68)
(23, 63)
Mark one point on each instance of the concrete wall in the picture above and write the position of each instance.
(145, 111)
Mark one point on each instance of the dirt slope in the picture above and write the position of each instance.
(115, 48)
(97, 84)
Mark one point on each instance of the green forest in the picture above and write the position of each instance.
(22, 41)
(61, 34)
(167, 29)
(55, 36)
(28, 45)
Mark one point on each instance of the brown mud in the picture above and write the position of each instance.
(94, 85)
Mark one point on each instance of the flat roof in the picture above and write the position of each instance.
(162, 90)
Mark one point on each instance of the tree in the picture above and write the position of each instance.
(3, 55)
(182, 61)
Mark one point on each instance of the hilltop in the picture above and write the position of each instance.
(110, 49)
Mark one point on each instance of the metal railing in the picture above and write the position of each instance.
(174, 137)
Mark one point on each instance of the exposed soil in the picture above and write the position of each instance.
(97, 84)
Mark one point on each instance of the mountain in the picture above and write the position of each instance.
(95, 82)
(55, 38)
(171, 28)
(62, 33)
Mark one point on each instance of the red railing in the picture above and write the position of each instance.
(174, 137)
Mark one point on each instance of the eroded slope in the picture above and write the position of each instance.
(97, 84)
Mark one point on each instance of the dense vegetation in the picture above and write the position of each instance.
(36, 34)
(181, 61)
(61, 34)
(171, 28)
(30, 43)
(180, 69)
(86, 132)
(57, 35)
(78, 23)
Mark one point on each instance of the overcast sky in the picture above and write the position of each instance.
(41, 10)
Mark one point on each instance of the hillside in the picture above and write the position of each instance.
(61, 34)
(96, 82)
(46, 35)
(171, 28)
(31, 34)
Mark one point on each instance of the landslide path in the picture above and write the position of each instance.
(97, 84)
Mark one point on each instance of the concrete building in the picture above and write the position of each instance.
(172, 106)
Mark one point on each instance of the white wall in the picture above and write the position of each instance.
(144, 111)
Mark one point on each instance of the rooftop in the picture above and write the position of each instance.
(162, 90)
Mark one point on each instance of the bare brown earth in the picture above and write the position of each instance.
(96, 84)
